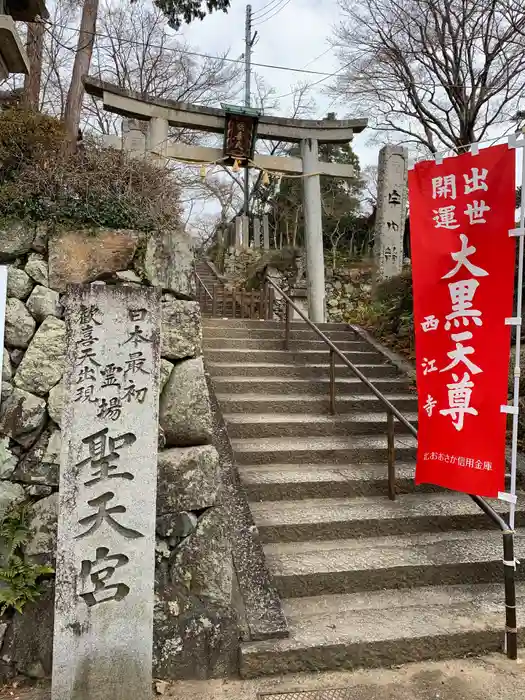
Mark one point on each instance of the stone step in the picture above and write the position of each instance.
(312, 404)
(336, 336)
(285, 482)
(268, 369)
(208, 278)
(291, 385)
(262, 425)
(208, 281)
(276, 324)
(276, 343)
(292, 482)
(374, 563)
(342, 518)
(353, 449)
(383, 628)
(305, 357)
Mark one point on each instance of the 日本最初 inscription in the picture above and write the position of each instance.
(106, 537)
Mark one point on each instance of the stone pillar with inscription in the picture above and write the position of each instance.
(266, 232)
(391, 211)
(238, 232)
(106, 532)
(256, 233)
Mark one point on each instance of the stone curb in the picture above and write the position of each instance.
(403, 365)
(262, 605)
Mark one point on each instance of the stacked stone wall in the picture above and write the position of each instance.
(195, 631)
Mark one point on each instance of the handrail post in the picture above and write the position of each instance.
(264, 293)
(332, 382)
(391, 450)
(214, 301)
(269, 310)
(511, 636)
(509, 573)
(288, 319)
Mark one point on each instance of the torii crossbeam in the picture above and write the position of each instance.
(161, 114)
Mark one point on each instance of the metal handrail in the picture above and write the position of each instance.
(199, 280)
(511, 632)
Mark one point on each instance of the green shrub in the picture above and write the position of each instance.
(27, 137)
(20, 581)
(285, 260)
(389, 315)
(41, 180)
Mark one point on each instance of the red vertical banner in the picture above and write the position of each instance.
(463, 262)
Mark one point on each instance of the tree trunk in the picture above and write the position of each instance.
(35, 48)
(75, 95)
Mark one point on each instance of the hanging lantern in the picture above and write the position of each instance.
(236, 166)
(265, 178)
(203, 172)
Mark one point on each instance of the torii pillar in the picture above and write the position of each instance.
(313, 230)
(161, 114)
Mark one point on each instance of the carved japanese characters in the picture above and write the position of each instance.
(106, 539)
(463, 270)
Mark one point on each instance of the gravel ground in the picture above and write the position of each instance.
(486, 678)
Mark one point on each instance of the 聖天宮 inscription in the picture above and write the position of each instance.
(106, 533)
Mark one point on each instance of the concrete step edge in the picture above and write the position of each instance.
(277, 418)
(354, 442)
(383, 628)
(401, 551)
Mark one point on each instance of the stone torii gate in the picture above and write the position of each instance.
(161, 114)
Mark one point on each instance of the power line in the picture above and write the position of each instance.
(413, 83)
(317, 82)
(270, 10)
(318, 57)
(132, 42)
(179, 50)
(260, 11)
(280, 9)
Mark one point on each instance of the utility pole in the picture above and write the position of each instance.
(248, 43)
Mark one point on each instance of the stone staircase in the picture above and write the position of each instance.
(209, 279)
(224, 302)
(365, 581)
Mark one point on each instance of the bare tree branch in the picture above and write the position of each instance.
(439, 73)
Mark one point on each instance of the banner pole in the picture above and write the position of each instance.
(517, 325)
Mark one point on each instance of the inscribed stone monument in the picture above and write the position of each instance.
(391, 211)
(106, 531)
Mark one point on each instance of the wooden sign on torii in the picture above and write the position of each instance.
(161, 114)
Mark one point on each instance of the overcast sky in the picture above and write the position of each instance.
(294, 37)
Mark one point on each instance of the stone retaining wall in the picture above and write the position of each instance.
(196, 631)
(345, 288)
